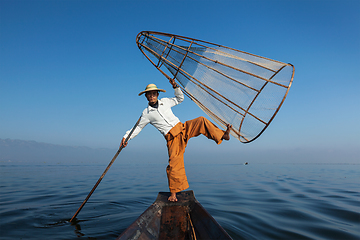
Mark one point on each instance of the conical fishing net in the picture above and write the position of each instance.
(230, 86)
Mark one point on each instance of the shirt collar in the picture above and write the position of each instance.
(150, 108)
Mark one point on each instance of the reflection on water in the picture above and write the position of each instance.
(260, 201)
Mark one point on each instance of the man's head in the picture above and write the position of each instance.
(151, 93)
(152, 96)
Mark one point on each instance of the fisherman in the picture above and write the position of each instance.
(177, 134)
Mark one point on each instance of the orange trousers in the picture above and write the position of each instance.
(177, 139)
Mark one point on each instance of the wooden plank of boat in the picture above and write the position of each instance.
(184, 219)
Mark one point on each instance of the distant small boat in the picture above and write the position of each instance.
(185, 219)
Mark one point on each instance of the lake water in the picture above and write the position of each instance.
(255, 201)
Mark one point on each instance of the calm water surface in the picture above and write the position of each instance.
(259, 201)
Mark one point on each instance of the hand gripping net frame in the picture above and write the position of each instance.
(230, 86)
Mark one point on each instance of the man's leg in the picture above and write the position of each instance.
(201, 125)
(176, 149)
(176, 170)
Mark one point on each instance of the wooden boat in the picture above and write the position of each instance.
(184, 219)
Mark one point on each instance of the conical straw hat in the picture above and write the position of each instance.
(151, 87)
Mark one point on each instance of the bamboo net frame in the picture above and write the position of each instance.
(229, 85)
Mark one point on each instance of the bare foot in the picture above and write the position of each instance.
(226, 135)
(172, 198)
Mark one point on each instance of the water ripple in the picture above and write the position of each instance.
(250, 202)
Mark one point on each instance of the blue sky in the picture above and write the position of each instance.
(70, 71)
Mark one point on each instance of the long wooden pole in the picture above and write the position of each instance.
(108, 167)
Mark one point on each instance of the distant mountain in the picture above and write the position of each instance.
(20, 151)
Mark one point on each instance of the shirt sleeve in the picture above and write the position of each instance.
(179, 96)
(143, 122)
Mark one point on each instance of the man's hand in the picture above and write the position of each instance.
(173, 83)
(123, 143)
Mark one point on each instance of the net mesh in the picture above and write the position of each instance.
(230, 86)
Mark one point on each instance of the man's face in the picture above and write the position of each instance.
(152, 96)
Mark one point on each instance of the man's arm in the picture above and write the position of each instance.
(179, 96)
(143, 122)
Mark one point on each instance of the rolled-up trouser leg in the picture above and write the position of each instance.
(176, 169)
(201, 125)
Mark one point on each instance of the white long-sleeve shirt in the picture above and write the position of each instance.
(161, 117)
